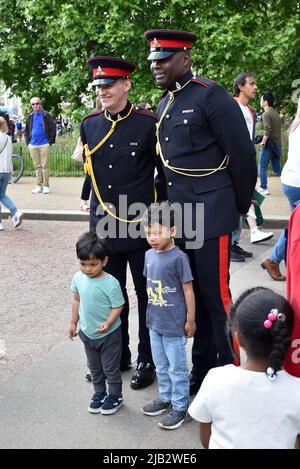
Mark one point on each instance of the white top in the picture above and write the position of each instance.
(248, 118)
(291, 171)
(248, 410)
(5, 155)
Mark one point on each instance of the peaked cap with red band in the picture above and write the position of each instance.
(106, 70)
(166, 42)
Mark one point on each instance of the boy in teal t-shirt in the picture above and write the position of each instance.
(97, 304)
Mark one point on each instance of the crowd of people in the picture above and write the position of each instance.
(180, 182)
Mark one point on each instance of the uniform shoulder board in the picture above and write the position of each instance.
(143, 112)
(94, 113)
(206, 82)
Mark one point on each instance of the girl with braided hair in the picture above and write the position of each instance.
(255, 405)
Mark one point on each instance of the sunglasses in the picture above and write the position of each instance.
(35, 104)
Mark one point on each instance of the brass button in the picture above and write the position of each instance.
(167, 139)
(133, 153)
(111, 145)
(109, 186)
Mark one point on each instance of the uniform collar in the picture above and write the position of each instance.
(122, 113)
(181, 82)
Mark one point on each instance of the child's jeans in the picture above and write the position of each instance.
(169, 357)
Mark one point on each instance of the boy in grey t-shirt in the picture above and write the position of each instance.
(170, 314)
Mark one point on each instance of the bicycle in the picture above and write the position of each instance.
(18, 167)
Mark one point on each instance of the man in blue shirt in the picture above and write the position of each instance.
(40, 133)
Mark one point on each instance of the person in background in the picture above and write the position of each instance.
(267, 417)
(290, 179)
(271, 149)
(40, 134)
(6, 169)
(19, 130)
(244, 89)
(146, 105)
(11, 129)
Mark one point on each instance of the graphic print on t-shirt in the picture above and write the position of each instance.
(157, 293)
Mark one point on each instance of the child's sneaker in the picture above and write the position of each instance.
(112, 404)
(17, 219)
(97, 402)
(173, 419)
(156, 407)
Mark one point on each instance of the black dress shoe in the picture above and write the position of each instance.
(195, 383)
(125, 366)
(143, 376)
(242, 251)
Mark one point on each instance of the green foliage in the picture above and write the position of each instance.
(45, 44)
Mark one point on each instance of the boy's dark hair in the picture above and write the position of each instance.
(159, 212)
(247, 317)
(241, 81)
(89, 245)
(268, 96)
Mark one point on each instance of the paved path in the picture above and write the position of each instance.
(64, 199)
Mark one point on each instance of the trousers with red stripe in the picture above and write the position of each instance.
(210, 267)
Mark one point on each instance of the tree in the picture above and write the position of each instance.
(45, 43)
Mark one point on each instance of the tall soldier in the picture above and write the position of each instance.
(119, 146)
(208, 158)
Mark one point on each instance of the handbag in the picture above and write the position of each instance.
(257, 201)
(78, 152)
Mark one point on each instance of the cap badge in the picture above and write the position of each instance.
(178, 85)
(156, 43)
(100, 71)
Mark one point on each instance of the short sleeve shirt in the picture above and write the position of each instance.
(166, 272)
(97, 297)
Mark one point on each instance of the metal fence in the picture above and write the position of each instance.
(61, 163)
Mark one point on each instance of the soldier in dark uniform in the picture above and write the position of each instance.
(119, 149)
(208, 158)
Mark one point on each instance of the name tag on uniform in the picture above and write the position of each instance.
(187, 111)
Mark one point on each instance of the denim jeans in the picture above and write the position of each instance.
(4, 199)
(236, 234)
(293, 195)
(264, 159)
(169, 357)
